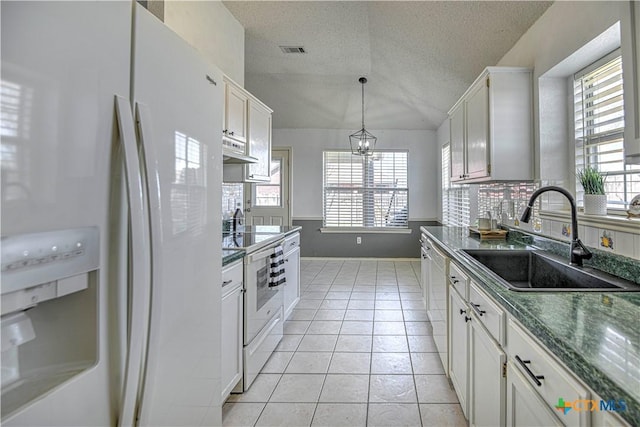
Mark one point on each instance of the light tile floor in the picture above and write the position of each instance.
(357, 351)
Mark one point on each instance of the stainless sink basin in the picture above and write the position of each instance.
(527, 270)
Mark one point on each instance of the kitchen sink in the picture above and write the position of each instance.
(529, 270)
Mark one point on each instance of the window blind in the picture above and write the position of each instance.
(364, 191)
(455, 198)
(599, 130)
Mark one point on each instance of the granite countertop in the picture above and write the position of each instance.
(596, 334)
(231, 255)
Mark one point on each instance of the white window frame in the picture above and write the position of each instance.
(582, 153)
(456, 203)
(394, 220)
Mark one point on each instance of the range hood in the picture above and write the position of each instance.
(233, 157)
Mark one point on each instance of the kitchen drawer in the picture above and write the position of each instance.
(488, 312)
(459, 280)
(546, 375)
(291, 242)
(232, 276)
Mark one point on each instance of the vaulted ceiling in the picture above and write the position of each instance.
(419, 57)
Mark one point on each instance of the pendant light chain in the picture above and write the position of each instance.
(363, 103)
(362, 142)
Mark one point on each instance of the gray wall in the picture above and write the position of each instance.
(313, 243)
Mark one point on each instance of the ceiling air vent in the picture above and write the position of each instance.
(293, 49)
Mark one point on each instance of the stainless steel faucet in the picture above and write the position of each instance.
(578, 250)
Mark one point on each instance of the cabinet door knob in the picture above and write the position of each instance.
(463, 311)
(231, 133)
(467, 319)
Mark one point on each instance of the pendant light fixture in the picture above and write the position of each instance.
(362, 142)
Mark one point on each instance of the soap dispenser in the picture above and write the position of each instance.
(238, 218)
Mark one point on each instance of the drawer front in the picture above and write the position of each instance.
(488, 312)
(232, 276)
(291, 242)
(459, 280)
(546, 375)
(437, 257)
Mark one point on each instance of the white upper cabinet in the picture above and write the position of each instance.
(235, 112)
(246, 136)
(492, 128)
(259, 142)
(457, 141)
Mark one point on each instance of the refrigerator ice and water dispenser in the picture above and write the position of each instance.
(49, 311)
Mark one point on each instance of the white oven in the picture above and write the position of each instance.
(263, 310)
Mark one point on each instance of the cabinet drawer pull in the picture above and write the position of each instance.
(477, 308)
(536, 378)
(231, 133)
(226, 282)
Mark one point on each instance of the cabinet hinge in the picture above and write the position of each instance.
(488, 80)
(489, 168)
(504, 370)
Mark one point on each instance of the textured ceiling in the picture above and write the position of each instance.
(419, 57)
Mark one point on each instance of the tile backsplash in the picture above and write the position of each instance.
(232, 194)
(507, 200)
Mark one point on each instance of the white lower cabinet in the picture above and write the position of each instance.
(518, 387)
(524, 406)
(292, 273)
(232, 327)
(458, 347)
(545, 377)
(487, 382)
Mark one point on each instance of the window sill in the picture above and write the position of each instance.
(613, 222)
(365, 230)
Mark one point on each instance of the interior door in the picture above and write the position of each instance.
(268, 202)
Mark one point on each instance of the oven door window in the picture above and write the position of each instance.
(265, 293)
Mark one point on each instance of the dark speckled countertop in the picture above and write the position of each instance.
(595, 334)
(231, 255)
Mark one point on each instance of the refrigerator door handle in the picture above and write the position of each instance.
(150, 169)
(140, 266)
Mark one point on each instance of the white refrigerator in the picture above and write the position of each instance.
(110, 141)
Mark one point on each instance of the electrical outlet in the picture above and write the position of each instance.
(358, 240)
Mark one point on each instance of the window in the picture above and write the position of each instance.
(599, 129)
(364, 191)
(455, 198)
(269, 194)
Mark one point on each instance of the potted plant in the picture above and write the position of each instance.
(595, 200)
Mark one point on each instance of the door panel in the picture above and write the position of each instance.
(62, 63)
(478, 131)
(268, 203)
(183, 161)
